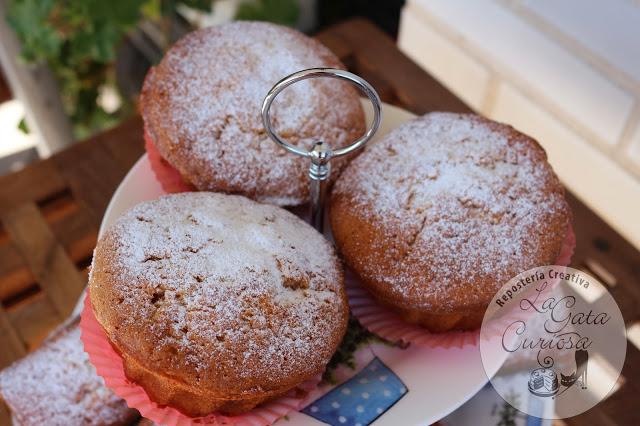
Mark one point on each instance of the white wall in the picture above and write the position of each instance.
(566, 72)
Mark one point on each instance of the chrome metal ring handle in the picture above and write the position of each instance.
(366, 88)
(321, 153)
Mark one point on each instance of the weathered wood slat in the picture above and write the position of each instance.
(50, 213)
(47, 260)
(12, 346)
(5, 416)
(597, 241)
(33, 319)
(92, 175)
(76, 233)
(93, 169)
(337, 45)
(34, 183)
(125, 143)
(15, 275)
(71, 228)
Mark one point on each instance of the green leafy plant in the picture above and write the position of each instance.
(78, 39)
(283, 12)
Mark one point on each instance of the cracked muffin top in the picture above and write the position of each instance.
(201, 109)
(445, 209)
(219, 292)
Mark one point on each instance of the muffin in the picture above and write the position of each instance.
(440, 213)
(56, 385)
(201, 110)
(216, 302)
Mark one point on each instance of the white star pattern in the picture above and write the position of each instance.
(383, 378)
(364, 380)
(365, 395)
(314, 409)
(379, 410)
(386, 393)
(346, 391)
(334, 404)
(360, 409)
(342, 419)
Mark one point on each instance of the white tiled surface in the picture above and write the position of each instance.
(565, 72)
(634, 147)
(511, 106)
(517, 49)
(610, 28)
(463, 75)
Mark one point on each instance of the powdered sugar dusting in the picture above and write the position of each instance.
(56, 385)
(202, 107)
(462, 204)
(221, 291)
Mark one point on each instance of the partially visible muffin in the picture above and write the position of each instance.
(216, 302)
(201, 109)
(56, 385)
(444, 210)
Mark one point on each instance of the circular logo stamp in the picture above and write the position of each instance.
(553, 342)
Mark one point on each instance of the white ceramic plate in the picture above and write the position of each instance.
(389, 386)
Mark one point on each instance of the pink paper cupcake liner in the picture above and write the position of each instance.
(387, 324)
(169, 178)
(109, 365)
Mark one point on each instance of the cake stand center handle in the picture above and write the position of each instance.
(321, 153)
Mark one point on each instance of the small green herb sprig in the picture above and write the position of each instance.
(355, 337)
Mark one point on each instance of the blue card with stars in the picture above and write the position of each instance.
(361, 399)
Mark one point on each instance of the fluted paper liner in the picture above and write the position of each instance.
(109, 366)
(169, 178)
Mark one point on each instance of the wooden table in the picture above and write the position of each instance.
(50, 213)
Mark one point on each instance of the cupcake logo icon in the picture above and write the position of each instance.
(543, 381)
(545, 333)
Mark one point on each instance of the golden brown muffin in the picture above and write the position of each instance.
(444, 210)
(56, 385)
(217, 302)
(201, 108)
